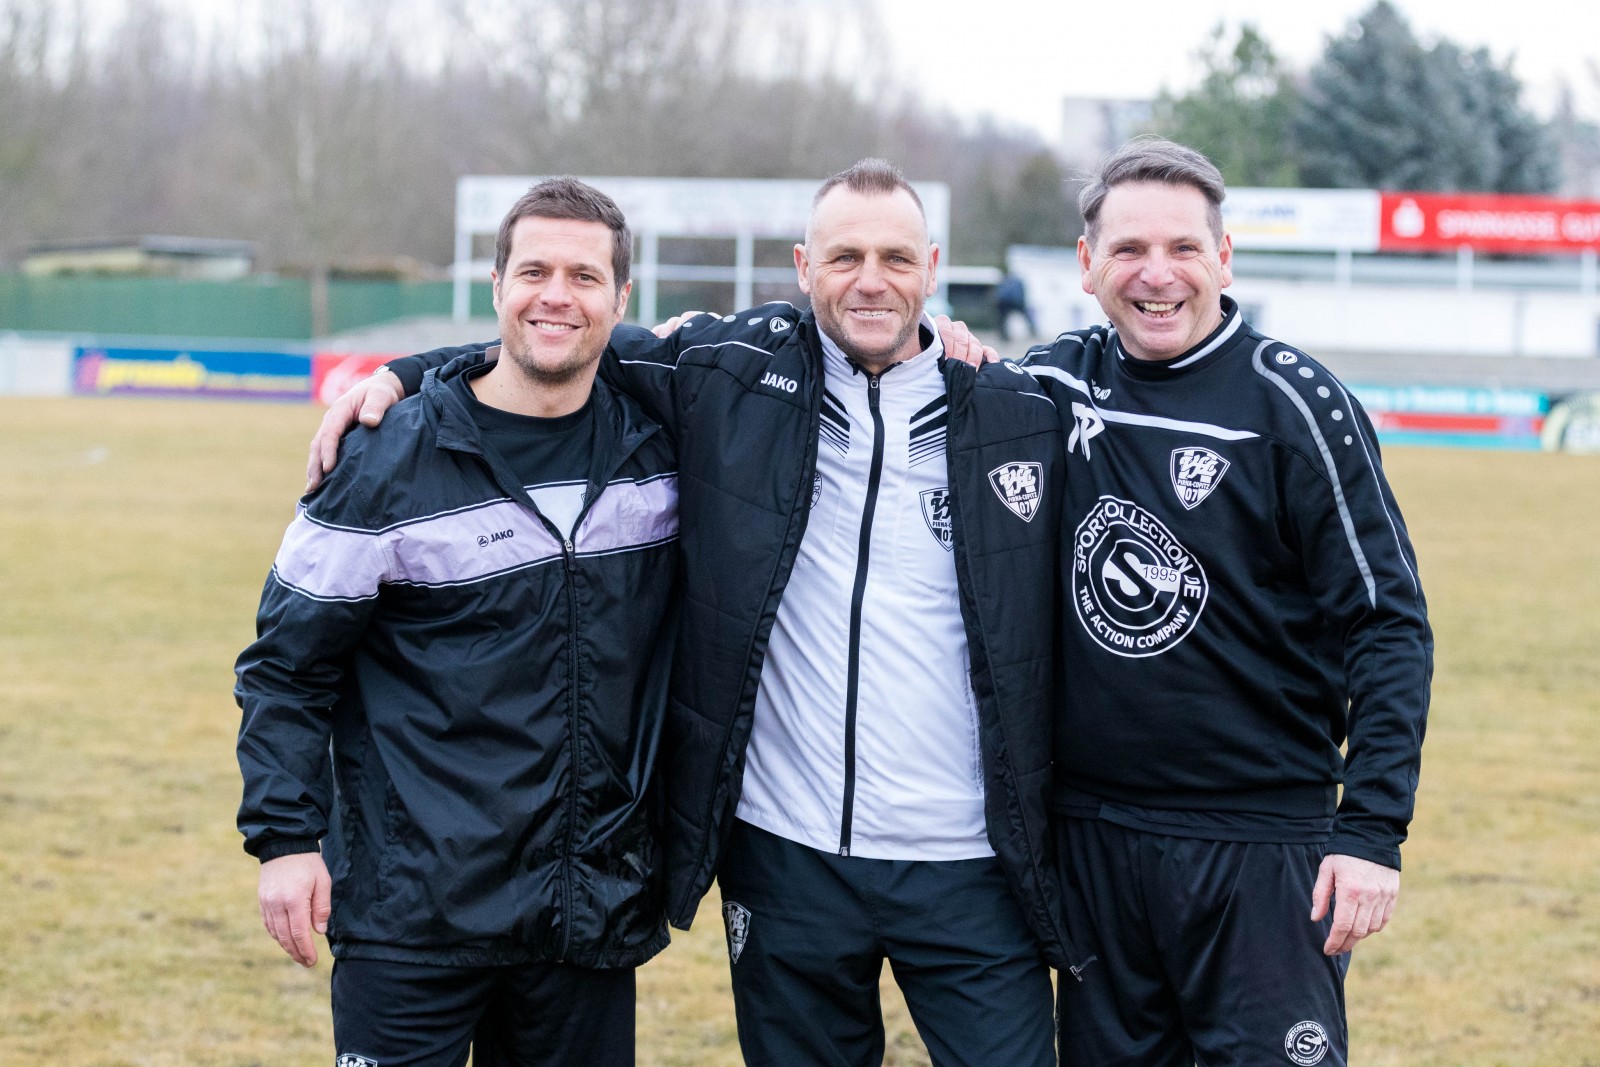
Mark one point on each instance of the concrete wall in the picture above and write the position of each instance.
(35, 367)
(1487, 322)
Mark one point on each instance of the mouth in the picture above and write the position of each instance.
(1158, 309)
(870, 314)
(553, 327)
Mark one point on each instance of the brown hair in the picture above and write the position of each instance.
(568, 198)
(1153, 159)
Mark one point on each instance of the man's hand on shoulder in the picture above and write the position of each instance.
(295, 898)
(365, 401)
(959, 343)
(1363, 894)
(662, 329)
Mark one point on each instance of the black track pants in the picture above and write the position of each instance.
(531, 1015)
(1203, 953)
(808, 935)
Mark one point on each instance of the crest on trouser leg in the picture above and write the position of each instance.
(736, 917)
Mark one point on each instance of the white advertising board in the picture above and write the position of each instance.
(1303, 220)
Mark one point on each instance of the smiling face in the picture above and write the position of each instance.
(868, 267)
(557, 301)
(1156, 267)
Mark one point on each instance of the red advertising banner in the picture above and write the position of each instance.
(332, 373)
(1487, 222)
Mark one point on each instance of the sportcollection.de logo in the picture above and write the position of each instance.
(1137, 590)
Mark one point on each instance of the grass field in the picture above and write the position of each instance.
(134, 536)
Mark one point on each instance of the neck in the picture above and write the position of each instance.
(509, 388)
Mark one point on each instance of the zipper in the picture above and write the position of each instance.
(857, 599)
(570, 563)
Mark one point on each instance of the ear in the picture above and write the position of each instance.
(622, 300)
(1085, 258)
(933, 270)
(494, 290)
(802, 266)
(1225, 257)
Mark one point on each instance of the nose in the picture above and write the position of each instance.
(871, 278)
(1157, 268)
(556, 290)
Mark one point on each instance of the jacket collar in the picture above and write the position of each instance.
(620, 427)
(1211, 347)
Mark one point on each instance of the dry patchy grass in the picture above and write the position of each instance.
(134, 536)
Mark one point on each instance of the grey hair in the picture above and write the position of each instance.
(869, 177)
(1153, 159)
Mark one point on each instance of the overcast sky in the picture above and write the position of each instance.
(1021, 57)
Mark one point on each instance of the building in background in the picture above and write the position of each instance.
(194, 258)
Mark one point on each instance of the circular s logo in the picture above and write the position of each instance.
(1137, 590)
(1306, 1043)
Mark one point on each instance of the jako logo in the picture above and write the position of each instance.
(489, 539)
(778, 381)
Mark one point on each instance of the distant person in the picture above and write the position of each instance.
(1242, 601)
(470, 611)
(858, 744)
(1011, 298)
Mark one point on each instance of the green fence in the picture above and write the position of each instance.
(264, 308)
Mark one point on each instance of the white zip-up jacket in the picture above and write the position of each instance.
(851, 752)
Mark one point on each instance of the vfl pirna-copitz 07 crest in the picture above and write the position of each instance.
(1137, 590)
(1017, 486)
(936, 513)
(736, 917)
(1195, 472)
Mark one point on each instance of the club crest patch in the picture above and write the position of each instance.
(736, 917)
(936, 513)
(1017, 486)
(1306, 1043)
(1137, 590)
(1195, 472)
(350, 1059)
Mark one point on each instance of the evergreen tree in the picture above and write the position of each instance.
(1241, 115)
(1381, 111)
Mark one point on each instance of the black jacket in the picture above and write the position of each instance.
(1244, 598)
(743, 397)
(493, 695)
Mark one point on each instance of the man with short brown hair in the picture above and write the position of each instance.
(471, 611)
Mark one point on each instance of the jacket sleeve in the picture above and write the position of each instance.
(1362, 572)
(645, 367)
(410, 369)
(314, 609)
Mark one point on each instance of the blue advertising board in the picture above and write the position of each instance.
(191, 372)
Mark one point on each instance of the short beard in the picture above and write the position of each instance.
(546, 377)
(874, 362)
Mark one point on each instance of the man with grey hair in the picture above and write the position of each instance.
(1243, 601)
(858, 740)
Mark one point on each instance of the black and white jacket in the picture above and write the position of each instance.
(493, 689)
(747, 398)
(1243, 598)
